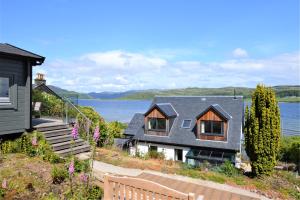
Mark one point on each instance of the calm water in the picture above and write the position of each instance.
(122, 110)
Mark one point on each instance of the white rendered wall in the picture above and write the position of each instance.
(168, 150)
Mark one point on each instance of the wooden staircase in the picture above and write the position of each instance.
(59, 136)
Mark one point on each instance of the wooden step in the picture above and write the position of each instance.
(59, 139)
(68, 145)
(52, 127)
(58, 132)
(75, 150)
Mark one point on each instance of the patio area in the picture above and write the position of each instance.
(46, 122)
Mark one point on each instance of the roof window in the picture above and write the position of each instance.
(186, 123)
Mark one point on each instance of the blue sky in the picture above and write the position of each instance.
(138, 44)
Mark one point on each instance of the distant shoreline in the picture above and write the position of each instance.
(281, 100)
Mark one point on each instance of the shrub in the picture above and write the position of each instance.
(58, 174)
(2, 193)
(155, 155)
(81, 165)
(204, 165)
(227, 169)
(95, 192)
(115, 129)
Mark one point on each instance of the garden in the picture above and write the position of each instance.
(30, 170)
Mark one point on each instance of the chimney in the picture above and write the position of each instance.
(39, 79)
(234, 94)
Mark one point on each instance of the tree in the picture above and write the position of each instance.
(262, 130)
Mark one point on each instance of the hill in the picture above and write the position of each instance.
(110, 95)
(288, 93)
(284, 93)
(67, 93)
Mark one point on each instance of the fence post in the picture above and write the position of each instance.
(107, 188)
(192, 197)
(66, 107)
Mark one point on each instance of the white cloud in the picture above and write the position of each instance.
(121, 71)
(239, 53)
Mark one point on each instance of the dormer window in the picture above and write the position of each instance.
(212, 124)
(157, 124)
(212, 127)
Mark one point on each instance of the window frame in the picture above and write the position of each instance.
(159, 130)
(12, 93)
(6, 100)
(211, 128)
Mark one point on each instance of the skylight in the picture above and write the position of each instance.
(186, 123)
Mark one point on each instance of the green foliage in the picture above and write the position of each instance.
(51, 105)
(19, 145)
(24, 145)
(155, 155)
(262, 130)
(105, 137)
(295, 154)
(81, 165)
(95, 192)
(59, 174)
(228, 169)
(116, 129)
(290, 149)
(2, 193)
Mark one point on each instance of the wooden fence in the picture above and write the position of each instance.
(128, 188)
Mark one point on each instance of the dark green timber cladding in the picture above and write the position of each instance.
(16, 118)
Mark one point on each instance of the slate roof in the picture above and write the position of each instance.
(166, 108)
(218, 109)
(189, 107)
(8, 49)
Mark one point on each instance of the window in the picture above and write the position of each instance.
(4, 90)
(153, 148)
(178, 154)
(212, 127)
(157, 124)
(186, 123)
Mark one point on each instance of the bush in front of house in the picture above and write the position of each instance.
(228, 169)
(155, 155)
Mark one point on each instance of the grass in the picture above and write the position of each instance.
(280, 184)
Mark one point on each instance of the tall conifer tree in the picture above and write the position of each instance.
(262, 130)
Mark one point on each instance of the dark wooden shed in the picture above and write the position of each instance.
(16, 88)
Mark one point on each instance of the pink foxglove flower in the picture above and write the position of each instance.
(84, 177)
(96, 134)
(4, 184)
(71, 167)
(34, 141)
(75, 132)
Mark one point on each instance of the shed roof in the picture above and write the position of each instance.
(8, 49)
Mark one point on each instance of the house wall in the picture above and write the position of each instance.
(211, 115)
(168, 150)
(16, 117)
